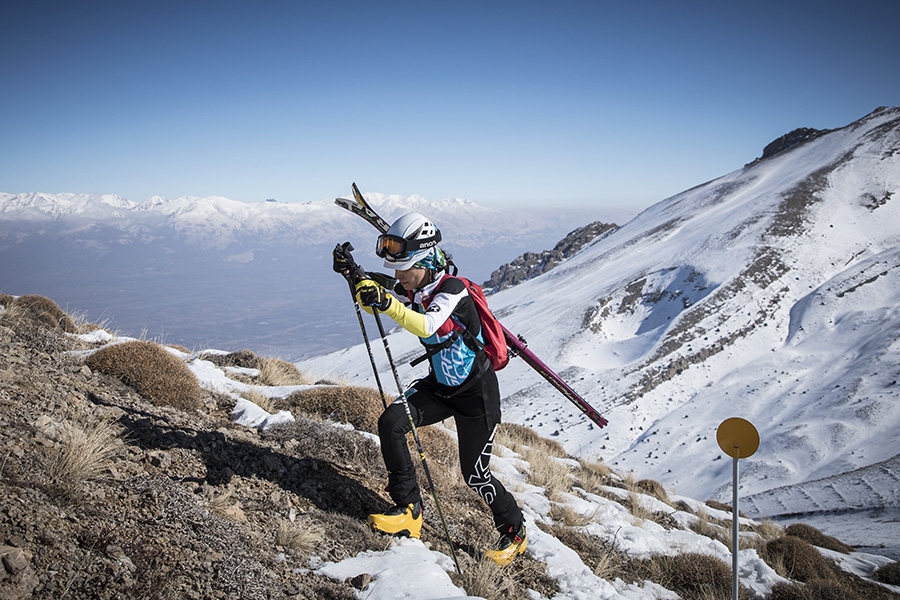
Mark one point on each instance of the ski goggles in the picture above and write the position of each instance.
(398, 248)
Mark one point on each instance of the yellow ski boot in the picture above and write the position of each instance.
(400, 520)
(512, 543)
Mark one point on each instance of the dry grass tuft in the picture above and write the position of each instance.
(482, 578)
(817, 538)
(520, 438)
(442, 455)
(637, 508)
(693, 576)
(245, 359)
(549, 472)
(565, 514)
(82, 455)
(712, 528)
(261, 400)
(547, 468)
(815, 590)
(272, 371)
(602, 556)
(485, 579)
(151, 370)
(275, 372)
(715, 504)
(221, 506)
(297, 538)
(359, 406)
(653, 488)
(42, 312)
(889, 574)
(795, 558)
(592, 475)
(768, 530)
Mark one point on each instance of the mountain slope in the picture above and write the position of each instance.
(769, 293)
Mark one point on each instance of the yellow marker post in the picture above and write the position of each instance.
(738, 439)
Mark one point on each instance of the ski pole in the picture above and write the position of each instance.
(415, 432)
(344, 250)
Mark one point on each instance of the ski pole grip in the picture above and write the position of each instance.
(345, 265)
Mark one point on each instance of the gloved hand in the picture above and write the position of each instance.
(369, 293)
(342, 259)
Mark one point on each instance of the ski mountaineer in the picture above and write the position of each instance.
(431, 304)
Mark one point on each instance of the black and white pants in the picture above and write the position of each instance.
(475, 435)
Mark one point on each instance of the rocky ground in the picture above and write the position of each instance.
(174, 503)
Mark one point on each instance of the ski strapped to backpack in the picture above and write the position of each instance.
(505, 343)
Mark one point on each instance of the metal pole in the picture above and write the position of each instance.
(734, 529)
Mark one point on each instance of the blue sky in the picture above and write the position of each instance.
(594, 104)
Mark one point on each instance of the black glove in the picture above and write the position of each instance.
(371, 294)
(342, 259)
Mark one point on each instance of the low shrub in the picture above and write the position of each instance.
(359, 406)
(653, 488)
(693, 576)
(151, 370)
(246, 359)
(795, 558)
(592, 475)
(817, 538)
(43, 312)
(308, 436)
(515, 436)
(718, 505)
(768, 530)
(815, 590)
(275, 372)
(889, 574)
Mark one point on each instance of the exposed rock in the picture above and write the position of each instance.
(791, 139)
(532, 264)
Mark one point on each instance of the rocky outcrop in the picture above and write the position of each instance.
(791, 139)
(532, 264)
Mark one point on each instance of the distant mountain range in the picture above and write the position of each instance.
(230, 274)
(771, 293)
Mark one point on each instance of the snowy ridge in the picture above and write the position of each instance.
(769, 293)
(846, 492)
(219, 222)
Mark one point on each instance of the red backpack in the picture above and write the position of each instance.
(491, 329)
(494, 345)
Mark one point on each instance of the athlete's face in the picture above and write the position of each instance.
(412, 278)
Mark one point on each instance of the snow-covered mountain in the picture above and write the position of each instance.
(771, 293)
(180, 269)
(217, 222)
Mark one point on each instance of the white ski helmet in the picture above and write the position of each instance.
(410, 239)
